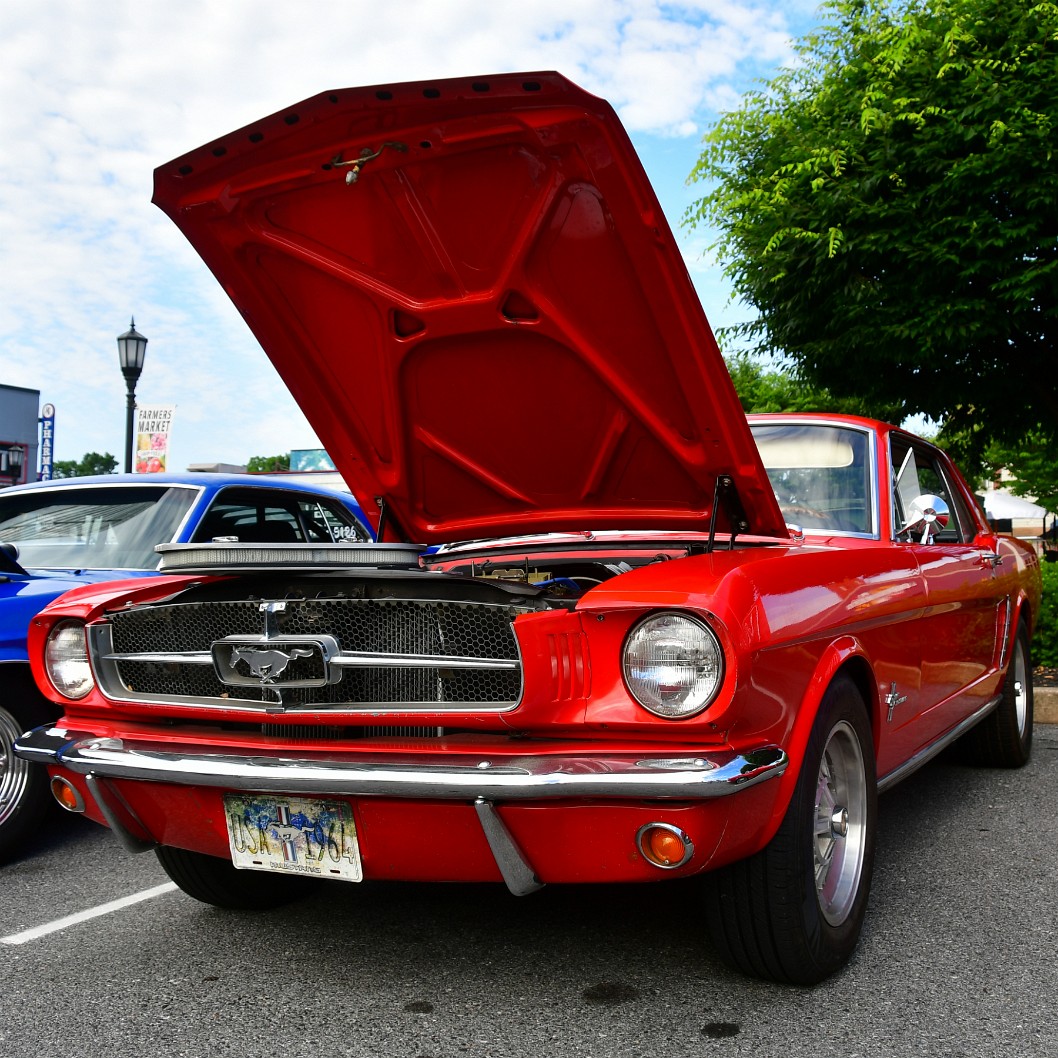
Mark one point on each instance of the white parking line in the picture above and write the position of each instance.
(84, 916)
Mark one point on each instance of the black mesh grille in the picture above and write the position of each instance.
(400, 626)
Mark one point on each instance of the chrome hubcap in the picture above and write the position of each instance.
(840, 823)
(1019, 674)
(14, 771)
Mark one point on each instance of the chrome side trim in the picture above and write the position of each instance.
(924, 756)
(1004, 654)
(465, 776)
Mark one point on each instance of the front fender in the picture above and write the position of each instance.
(87, 603)
(843, 654)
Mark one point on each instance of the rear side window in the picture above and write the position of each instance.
(270, 516)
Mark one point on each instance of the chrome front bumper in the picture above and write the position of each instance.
(463, 777)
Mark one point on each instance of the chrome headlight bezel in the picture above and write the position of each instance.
(66, 660)
(676, 650)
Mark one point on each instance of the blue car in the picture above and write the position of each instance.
(61, 534)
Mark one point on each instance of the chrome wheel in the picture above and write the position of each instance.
(1004, 738)
(14, 771)
(1019, 674)
(794, 910)
(840, 823)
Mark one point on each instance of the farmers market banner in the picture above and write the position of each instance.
(152, 438)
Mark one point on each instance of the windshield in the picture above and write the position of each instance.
(820, 473)
(93, 528)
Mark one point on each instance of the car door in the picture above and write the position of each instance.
(963, 610)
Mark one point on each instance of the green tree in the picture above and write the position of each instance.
(889, 207)
(1034, 466)
(764, 390)
(90, 463)
(1045, 642)
(268, 464)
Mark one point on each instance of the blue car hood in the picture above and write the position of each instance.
(22, 597)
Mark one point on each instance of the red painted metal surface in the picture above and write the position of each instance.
(788, 616)
(492, 331)
(499, 270)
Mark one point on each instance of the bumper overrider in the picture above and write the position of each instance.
(466, 777)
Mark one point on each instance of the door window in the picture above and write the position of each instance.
(919, 471)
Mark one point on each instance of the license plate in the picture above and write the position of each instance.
(293, 835)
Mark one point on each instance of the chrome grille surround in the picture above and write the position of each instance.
(378, 655)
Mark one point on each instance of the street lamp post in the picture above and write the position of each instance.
(132, 348)
(11, 462)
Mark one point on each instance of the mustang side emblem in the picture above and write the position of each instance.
(266, 665)
(892, 699)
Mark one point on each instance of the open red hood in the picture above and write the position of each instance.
(471, 291)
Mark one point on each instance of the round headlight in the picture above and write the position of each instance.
(66, 660)
(673, 665)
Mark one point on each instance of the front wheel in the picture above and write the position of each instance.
(793, 912)
(218, 882)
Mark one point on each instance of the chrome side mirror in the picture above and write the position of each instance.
(927, 515)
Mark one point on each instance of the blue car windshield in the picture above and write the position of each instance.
(106, 527)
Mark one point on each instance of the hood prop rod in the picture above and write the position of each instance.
(385, 517)
(726, 492)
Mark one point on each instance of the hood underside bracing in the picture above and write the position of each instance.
(471, 291)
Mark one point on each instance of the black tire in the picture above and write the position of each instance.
(766, 914)
(1004, 738)
(25, 799)
(217, 882)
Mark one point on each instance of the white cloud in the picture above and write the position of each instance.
(94, 96)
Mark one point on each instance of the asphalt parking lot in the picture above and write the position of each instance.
(957, 958)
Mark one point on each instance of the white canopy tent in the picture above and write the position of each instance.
(1002, 504)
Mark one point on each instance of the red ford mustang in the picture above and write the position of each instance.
(610, 632)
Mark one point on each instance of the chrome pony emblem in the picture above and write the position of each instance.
(268, 662)
(266, 665)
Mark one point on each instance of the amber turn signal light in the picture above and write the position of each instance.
(664, 845)
(67, 794)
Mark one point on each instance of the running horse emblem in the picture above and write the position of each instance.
(266, 665)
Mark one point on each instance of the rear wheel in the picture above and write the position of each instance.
(793, 912)
(1004, 738)
(217, 882)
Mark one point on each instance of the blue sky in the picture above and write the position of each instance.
(94, 96)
